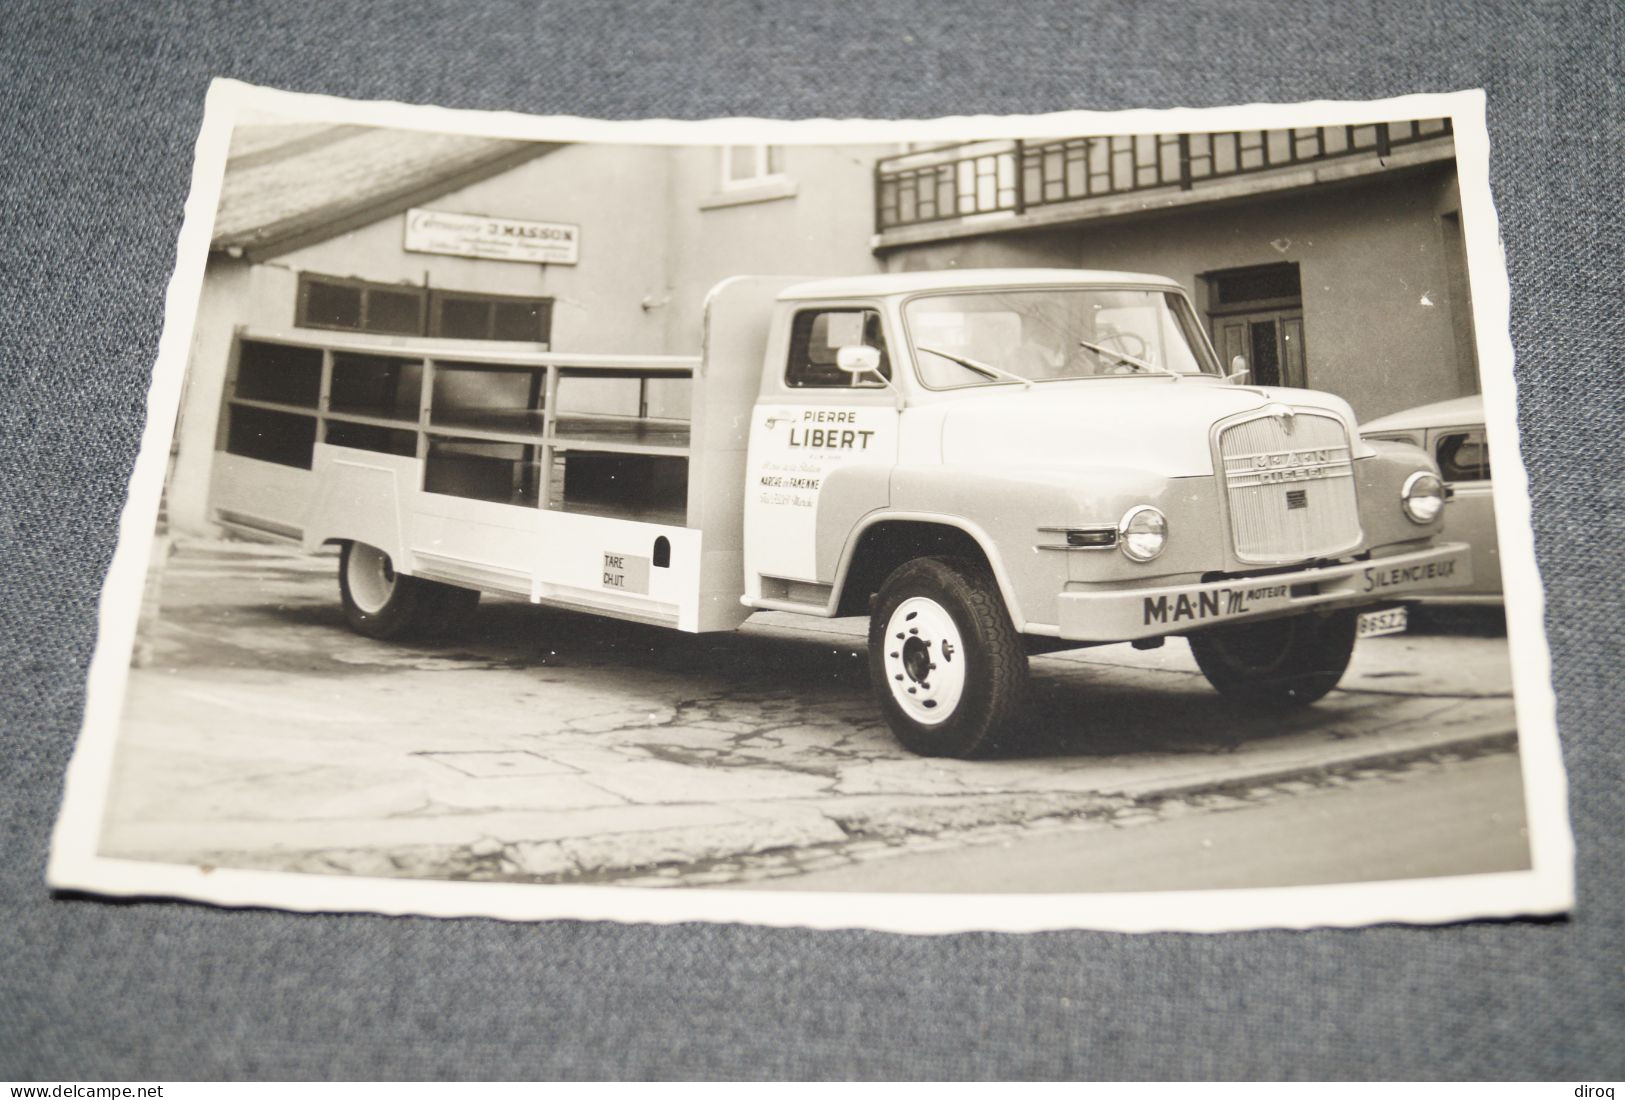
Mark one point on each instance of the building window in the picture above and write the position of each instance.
(751, 165)
(490, 317)
(1251, 287)
(355, 305)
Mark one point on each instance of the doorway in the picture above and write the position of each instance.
(1257, 313)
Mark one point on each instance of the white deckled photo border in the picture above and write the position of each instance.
(1547, 888)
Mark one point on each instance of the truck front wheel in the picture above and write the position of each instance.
(1277, 663)
(946, 663)
(381, 603)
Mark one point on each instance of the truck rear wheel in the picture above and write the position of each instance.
(381, 603)
(946, 663)
(1278, 663)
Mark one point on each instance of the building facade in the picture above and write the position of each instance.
(1330, 257)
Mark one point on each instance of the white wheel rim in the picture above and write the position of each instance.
(371, 577)
(925, 660)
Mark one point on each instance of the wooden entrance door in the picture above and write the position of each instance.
(1271, 342)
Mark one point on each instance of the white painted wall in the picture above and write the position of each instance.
(657, 232)
(225, 300)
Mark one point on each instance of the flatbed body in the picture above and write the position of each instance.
(630, 508)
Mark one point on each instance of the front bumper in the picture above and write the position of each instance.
(1123, 614)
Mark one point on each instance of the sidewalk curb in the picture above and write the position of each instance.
(1104, 800)
(1495, 741)
(517, 860)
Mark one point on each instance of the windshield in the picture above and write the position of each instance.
(997, 337)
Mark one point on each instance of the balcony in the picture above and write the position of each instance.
(973, 187)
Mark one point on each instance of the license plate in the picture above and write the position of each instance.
(1374, 624)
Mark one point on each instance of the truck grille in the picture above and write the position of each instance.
(1289, 478)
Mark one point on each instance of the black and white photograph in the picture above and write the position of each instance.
(1077, 520)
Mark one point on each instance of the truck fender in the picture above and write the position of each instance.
(359, 500)
(848, 494)
(960, 524)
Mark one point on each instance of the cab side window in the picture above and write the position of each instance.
(817, 335)
(1463, 455)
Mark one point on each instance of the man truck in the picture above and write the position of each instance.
(986, 464)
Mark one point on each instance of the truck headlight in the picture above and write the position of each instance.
(1142, 532)
(1422, 497)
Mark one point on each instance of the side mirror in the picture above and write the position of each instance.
(1238, 368)
(858, 360)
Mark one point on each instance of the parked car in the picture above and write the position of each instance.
(1453, 433)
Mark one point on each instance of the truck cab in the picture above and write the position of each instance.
(995, 463)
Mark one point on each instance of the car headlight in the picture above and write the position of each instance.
(1142, 532)
(1422, 497)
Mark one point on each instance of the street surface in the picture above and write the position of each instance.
(546, 746)
(1439, 817)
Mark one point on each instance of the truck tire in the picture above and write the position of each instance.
(383, 604)
(1277, 663)
(945, 662)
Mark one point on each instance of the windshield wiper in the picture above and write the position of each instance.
(1124, 357)
(986, 370)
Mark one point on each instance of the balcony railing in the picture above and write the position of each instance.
(987, 177)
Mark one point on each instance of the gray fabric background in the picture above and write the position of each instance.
(100, 105)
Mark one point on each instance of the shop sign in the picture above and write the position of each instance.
(485, 238)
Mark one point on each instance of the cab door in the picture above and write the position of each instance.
(812, 421)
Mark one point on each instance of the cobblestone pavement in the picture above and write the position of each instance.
(546, 746)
